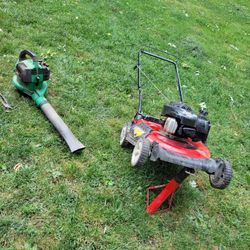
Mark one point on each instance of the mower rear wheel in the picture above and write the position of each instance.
(123, 135)
(222, 178)
(141, 152)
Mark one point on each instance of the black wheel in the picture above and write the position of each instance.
(123, 135)
(141, 152)
(222, 177)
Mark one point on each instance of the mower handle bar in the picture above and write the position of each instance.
(23, 53)
(139, 77)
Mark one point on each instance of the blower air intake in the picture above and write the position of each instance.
(182, 121)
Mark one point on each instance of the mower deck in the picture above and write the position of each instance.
(154, 133)
(179, 151)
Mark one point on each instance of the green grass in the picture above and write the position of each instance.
(96, 200)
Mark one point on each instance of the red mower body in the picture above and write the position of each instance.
(184, 147)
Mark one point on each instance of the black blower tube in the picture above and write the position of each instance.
(74, 144)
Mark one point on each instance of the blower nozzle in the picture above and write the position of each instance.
(74, 144)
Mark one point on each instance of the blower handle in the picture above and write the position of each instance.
(23, 53)
(74, 144)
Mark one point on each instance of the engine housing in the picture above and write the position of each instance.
(190, 124)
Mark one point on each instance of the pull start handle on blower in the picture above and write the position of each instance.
(23, 53)
(30, 78)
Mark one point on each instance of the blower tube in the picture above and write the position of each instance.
(74, 144)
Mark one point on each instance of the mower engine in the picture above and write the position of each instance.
(183, 122)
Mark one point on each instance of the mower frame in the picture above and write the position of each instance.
(150, 143)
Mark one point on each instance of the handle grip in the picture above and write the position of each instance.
(74, 144)
(23, 53)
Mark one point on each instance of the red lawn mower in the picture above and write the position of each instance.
(178, 137)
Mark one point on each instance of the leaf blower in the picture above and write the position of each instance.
(31, 76)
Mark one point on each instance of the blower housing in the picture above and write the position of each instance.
(31, 76)
(182, 121)
(27, 72)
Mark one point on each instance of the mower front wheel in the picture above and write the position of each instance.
(141, 152)
(123, 135)
(222, 177)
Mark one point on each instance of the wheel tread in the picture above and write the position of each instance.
(125, 143)
(146, 148)
(223, 182)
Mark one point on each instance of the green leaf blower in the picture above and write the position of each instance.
(31, 76)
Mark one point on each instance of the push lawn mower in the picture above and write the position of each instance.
(178, 137)
(31, 76)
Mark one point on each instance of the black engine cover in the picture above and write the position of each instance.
(25, 70)
(189, 124)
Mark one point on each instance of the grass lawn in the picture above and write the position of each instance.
(96, 200)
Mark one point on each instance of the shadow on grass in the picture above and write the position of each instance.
(156, 173)
(159, 173)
